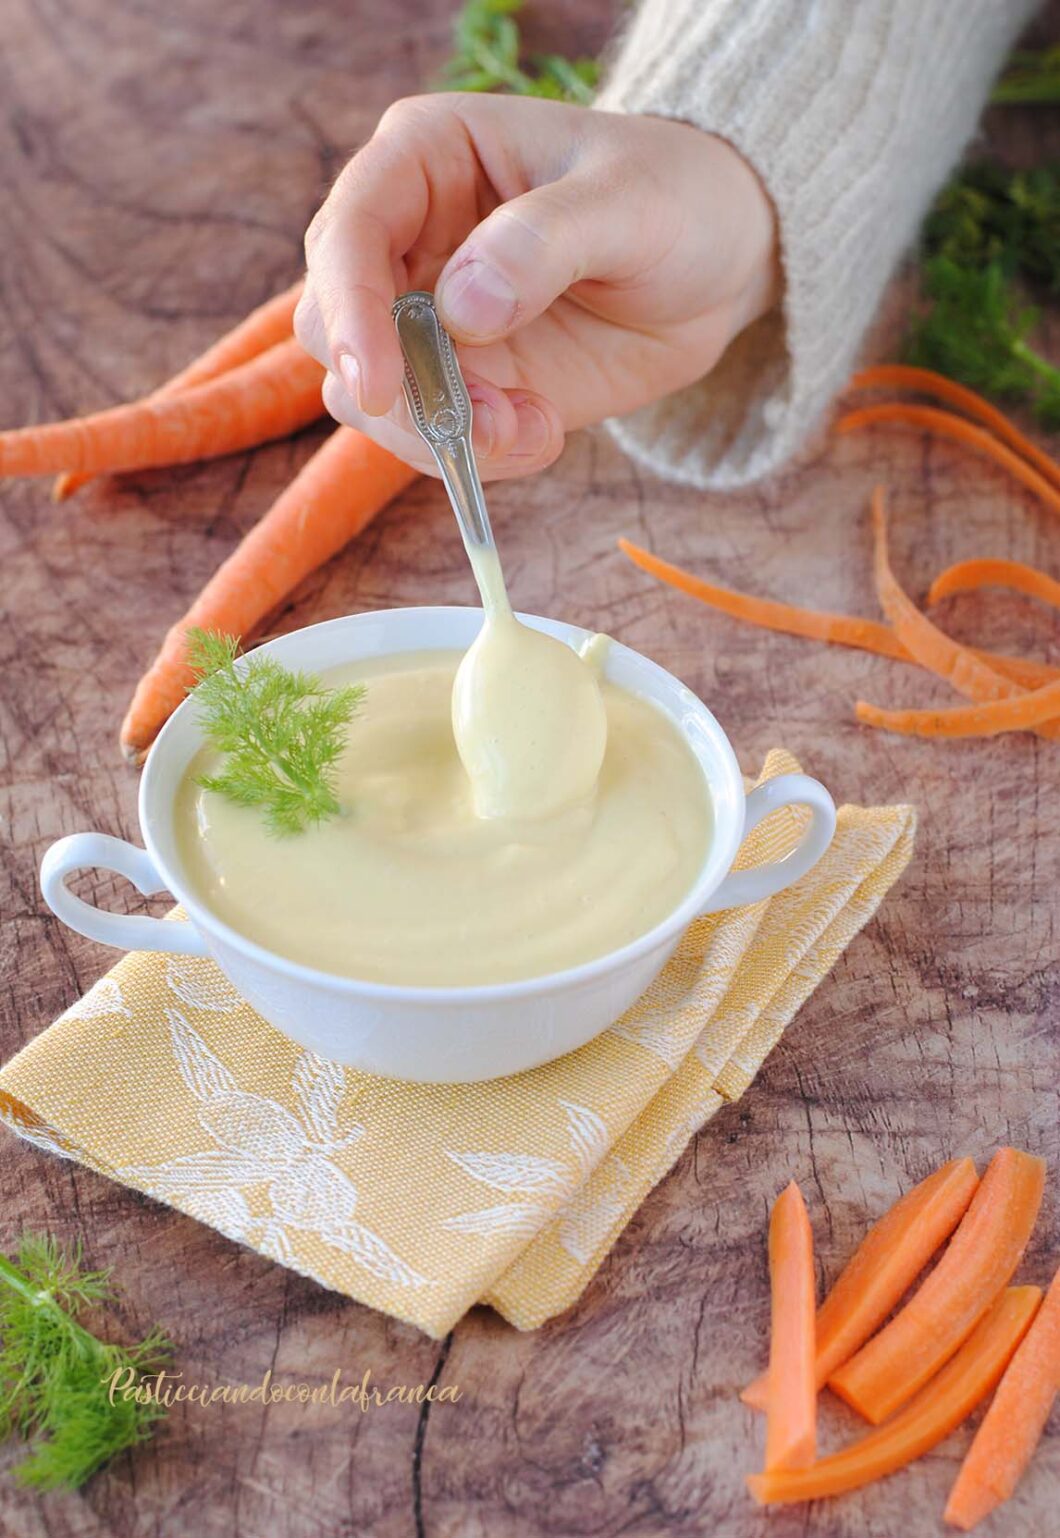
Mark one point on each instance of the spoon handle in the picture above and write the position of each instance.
(441, 412)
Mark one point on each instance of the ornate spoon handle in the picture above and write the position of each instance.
(441, 411)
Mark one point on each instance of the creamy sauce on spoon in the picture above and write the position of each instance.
(528, 715)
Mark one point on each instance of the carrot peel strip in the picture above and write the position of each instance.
(816, 625)
(925, 381)
(976, 1265)
(791, 1413)
(883, 1268)
(931, 647)
(970, 576)
(1012, 1427)
(948, 425)
(936, 1411)
(334, 495)
(1020, 714)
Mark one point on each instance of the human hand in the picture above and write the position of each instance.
(585, 262)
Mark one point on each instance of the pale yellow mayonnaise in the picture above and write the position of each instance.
(528, 715)
(410, 885)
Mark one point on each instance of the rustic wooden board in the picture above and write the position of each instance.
(159, 163)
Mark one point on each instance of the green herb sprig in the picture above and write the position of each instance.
(988, 214)
(281, 732)
(976, 331)
(1030, 79)
(487, 56)
(992, 237)
(56, 1376)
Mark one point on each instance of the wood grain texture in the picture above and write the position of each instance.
(158, 166)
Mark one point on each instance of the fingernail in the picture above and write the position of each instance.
(478, 300)
(534, 432)
(483, 426)
(351, 376)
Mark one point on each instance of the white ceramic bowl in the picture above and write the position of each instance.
(434, 1035)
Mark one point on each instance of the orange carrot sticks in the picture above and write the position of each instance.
(844, 629)
(883, 1268)
(936, 1411)
(931, 647)
(970, 576)
(902, 376)
(269, 397)
(1013, 1425)
(791, 1409)
(948, 425)
(336, 493)
(1021, 714)
(270, 323)
(976, 1265)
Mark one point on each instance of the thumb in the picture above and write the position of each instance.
(522, 257)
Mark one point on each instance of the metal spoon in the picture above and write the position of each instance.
(441, 412)
(528, 716)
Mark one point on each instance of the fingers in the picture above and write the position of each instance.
(371, 218)
(526, 254)
(515, 432)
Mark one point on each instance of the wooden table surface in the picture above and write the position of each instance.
(159, 164)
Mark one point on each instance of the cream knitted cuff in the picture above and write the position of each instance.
(851, 112)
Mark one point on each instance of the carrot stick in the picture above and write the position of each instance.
(269, 397)
(937, 1410)
(948, 425)
(1013, 1425)
(844, 629)
(791, 1410)
(883, 1268)
(1028, 710)
(931, 647)
(902, 376)
(270, 323)
(334, 495)
(942, 1313)
(970, 576)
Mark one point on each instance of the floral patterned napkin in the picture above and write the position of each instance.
(419, 1199)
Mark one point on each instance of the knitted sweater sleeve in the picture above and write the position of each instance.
(852, 112)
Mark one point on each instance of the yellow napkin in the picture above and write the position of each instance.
(422, 1200)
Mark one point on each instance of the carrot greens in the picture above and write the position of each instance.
(487, 56)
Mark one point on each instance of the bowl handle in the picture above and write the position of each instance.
(128, 932)
(751, 886)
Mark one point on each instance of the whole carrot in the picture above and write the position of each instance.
(269, 397)
(270, 323)
(336, 493)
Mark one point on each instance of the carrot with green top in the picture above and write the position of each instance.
(334, 495)
(263, 328)
(269, 397)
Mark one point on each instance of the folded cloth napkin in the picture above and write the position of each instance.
(423, 1199)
